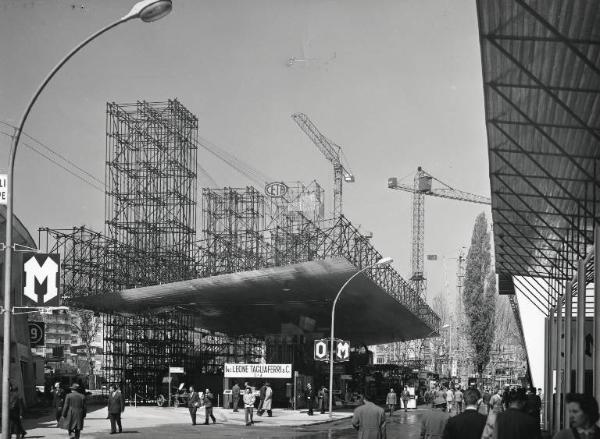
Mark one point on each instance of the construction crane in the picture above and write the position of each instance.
(423, 185)
(332, 152)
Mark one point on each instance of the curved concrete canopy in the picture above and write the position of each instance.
(260, 302)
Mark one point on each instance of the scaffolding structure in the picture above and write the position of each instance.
(232, 224)
(151, 183)
(297, 201)
(150, 238)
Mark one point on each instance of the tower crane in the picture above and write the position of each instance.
(423, 185)
(332, 152)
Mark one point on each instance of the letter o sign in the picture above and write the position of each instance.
(321, 350)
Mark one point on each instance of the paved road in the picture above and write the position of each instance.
(154, 423)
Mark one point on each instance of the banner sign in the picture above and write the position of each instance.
(41, 279)
(173, 369)
(234, 370)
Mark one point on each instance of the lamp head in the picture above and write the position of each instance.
(149, 10)
(384, 261)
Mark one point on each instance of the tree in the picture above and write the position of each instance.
(87, 326)
(479, 295)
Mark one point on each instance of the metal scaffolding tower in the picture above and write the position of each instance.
(151, 182)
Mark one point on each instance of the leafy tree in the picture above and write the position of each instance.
(479, 295)
(87, 326)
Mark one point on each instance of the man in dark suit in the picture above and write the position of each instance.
(193, 404)
(235, 396)
(116, 406)
(309, 393)
(514, 423)
(74, 411)
(470, 423)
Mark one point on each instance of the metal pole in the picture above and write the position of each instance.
(9, 218)
(295, 381)
(580, 335)
(559, 365)
(548, 371)
(169, 404)
(567, 343)
(383, 261)
(596, 338)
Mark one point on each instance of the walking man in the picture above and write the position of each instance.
(193, 404)
(74, 412)
(15, 412)
(235, 396)
(449, 399)
(268, 401)
(434, 421)
(323, 399)
(261, 395)
(391, 401)
(249, 400)
(405, 395)
(458, 399)
(470, 423)
(116, 406)
(514, 423)
(310, 396)
(58, 400)
(496, 402)
(208, 406)
(369, 420)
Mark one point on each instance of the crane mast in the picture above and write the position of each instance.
(423, 185)
(331, 151)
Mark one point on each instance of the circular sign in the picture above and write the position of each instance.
(36, 333)
(276, 189)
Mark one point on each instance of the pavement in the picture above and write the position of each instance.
(149, 421)
(153, 422)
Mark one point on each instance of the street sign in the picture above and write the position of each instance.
(41, 279)
(3, 188)
(37, 331)
(341, 349)
(176, 369)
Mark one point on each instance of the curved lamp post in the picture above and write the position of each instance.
(145, 10)
(381, 262)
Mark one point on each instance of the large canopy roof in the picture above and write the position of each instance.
(541, 73)
(265, 301)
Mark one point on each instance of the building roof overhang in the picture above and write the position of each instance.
(541, 75)
(262, 302)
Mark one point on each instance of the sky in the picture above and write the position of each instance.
(396, 83)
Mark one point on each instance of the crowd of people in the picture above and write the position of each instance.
(510, 413)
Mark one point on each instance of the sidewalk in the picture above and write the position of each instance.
(138, 420)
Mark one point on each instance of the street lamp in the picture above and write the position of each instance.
(145, 10)
(381, 262)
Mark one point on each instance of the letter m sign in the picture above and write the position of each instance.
(41, 279)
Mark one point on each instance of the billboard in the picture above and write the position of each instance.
(235, 370)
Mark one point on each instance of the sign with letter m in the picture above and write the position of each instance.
(41, 279)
